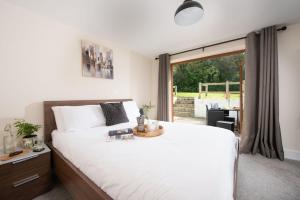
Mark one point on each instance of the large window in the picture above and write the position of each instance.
(215, 80)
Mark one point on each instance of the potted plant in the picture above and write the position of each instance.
(27, 131)
(152, 124)
(146, 109)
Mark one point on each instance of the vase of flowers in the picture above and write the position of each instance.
(27, 131)
(146, 108)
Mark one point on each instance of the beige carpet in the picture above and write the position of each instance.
(265, 179)
(259, 178)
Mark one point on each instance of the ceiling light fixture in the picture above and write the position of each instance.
(188, 13)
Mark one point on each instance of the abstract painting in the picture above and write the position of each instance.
(97, 61)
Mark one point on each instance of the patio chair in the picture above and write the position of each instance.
(212, 116)
(215, 115)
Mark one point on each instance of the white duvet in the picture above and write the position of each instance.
(187, 162)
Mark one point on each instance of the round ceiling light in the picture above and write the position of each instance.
(188, 13)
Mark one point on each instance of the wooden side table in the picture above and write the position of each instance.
(27, 176)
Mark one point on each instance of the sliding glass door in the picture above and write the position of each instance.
(211, 82)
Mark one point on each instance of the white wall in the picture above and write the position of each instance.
(40, 60)
(289, 91)
(154, 96)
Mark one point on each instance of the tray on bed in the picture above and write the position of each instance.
(148, 133)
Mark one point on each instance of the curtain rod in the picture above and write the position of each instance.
(216, 44)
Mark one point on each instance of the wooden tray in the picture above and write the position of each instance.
(6, 156)
(147, 133)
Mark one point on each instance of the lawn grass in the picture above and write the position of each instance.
(210, 95)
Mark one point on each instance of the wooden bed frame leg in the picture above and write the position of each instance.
(236, 169)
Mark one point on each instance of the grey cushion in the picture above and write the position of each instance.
(114, 113)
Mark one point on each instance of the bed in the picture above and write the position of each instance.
(186, 162)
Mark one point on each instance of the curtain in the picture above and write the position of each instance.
(261, 131)
(163, 87)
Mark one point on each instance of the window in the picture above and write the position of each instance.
(215, 80)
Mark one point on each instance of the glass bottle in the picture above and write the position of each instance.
(140, 121)
(9, 145)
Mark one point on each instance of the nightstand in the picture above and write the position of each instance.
(27, 176)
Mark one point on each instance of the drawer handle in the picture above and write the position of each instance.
(24, 159)
(25, 180)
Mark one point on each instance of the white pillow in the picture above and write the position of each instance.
(70, 118)
(132, 110)
(58, 118)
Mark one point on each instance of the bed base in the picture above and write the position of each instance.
(76, 183)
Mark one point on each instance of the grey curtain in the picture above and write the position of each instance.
(261, 131)
(163, 87)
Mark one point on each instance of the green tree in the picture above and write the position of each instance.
(186, 76)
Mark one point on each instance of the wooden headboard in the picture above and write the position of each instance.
(49, 120)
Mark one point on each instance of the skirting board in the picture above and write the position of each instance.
(292, 154)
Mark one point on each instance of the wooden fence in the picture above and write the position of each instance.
(175, 90)
(227, 87)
